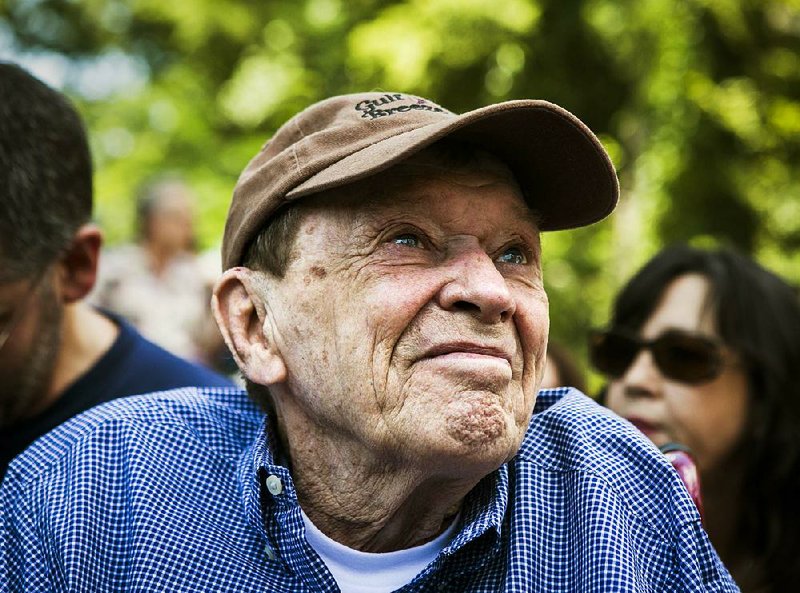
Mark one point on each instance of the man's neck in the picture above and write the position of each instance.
(370, 504)
(86, 335)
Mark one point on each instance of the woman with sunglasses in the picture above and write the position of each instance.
(704, 350)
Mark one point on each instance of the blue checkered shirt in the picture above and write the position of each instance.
(180, 491)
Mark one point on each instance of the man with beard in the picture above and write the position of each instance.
(383, 296)
(58, 355)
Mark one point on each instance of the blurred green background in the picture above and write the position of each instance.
(697, 101)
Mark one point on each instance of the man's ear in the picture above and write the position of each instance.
(78, 263)
(243, 320)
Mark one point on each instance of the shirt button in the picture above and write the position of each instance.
(274, 485)
(269, 552)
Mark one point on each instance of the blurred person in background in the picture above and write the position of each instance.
(159, 285)
(58, 355)
(703, 350)
(562, 370)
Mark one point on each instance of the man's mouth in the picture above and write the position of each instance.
(468, 350)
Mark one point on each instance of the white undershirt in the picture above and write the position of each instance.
(366, 572)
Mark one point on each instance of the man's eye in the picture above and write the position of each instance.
(408, 240)
(513, 255)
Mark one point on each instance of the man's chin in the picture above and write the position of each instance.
(483, 430)
(474, 459)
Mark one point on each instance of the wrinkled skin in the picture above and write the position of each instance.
(427, 345)
(403, 348)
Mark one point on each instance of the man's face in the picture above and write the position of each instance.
(31, 314)
(414, 323)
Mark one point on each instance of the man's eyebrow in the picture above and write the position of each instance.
(526, 214)
(529, 215)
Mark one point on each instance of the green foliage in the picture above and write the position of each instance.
(698, 102)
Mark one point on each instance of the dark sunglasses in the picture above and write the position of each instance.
(681, 356)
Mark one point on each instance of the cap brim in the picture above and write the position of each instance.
(560, 165)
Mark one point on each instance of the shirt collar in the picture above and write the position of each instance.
(547, 398)
(256, 464)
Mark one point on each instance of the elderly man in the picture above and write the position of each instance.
(383, 298)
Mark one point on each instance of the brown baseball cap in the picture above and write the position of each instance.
(561, 167)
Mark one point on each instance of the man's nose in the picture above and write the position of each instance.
(477, 287)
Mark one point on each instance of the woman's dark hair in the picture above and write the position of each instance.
(757, 315)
